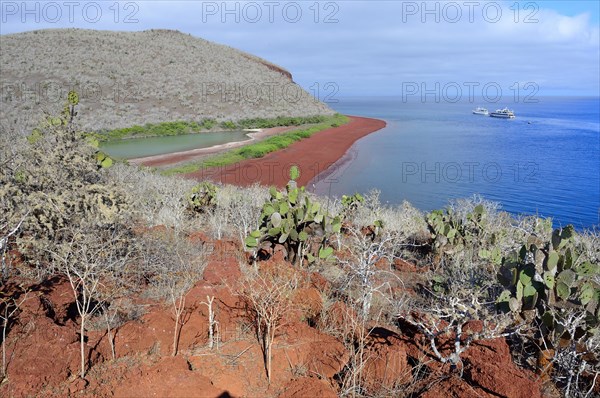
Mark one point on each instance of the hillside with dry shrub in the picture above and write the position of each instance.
(116, 281)
(134, 78)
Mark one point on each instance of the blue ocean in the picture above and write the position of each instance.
(544, 162)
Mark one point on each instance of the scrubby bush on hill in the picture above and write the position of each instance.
(54, 178)
(135, 78)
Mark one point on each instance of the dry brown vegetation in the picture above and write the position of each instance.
(134, 78)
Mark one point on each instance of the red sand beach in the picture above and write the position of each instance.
(312, 156)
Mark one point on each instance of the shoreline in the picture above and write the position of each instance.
(314, 156)
(336, 169)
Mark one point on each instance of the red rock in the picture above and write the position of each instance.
(170, 377)
(307, 387)
(279, 253)
(318, 281)
(386, 362)
(320, 353)
(309, 301)
(78, 385)
(226, 271)
(455, 387)
(489, 364)
(404, 266)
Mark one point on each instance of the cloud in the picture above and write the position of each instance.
(374, 47)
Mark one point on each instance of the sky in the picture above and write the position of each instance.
(452, 49)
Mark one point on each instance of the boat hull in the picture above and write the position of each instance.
(503, 114)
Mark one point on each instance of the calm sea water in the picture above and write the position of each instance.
(545, 162)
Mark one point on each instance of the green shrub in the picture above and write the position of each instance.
(179, 127)
(229, 125)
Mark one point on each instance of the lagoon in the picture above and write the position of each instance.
(150, 146)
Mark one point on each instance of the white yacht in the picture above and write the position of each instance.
(503, 114)
(480, 111)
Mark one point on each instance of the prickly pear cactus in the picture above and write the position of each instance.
(202, 197)
(551, 279)
(292, 219)
(351, 202)
(452, 234)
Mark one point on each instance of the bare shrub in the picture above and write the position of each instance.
(362, 278)
(523, 226)
(156, 199)
(575, 363)
(13, 140)
(6, 234)
(112, 317)
(368, 211)
(464, 206)
(9, 306)
(268, 299)
(589, 241)
(355, 340)
(444, 311)
(500, 229)
(356, 333)
(212, 322)
(116, 307)
(90, 258)
(173, 266)
(239, 210)
(404, 220)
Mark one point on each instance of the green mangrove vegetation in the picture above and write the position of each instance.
(180, 127)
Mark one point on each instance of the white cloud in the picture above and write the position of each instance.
(376, 46)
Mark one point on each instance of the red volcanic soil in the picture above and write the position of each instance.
(312, 156)
(309, 353)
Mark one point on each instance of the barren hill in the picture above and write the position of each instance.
(127, 78)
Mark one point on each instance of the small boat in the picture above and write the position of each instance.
(480, 111)
(252, 130)
(503, 114)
